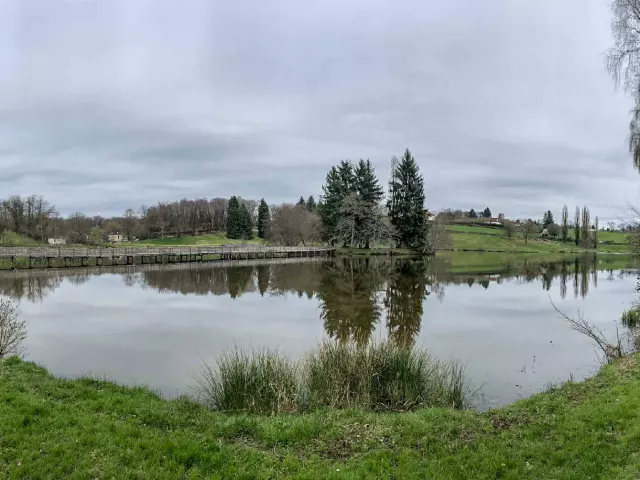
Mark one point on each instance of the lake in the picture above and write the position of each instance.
(154, 325)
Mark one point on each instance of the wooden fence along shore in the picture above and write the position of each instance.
(62, 257)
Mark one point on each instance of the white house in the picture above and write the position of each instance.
(56, 241)
(115, 237)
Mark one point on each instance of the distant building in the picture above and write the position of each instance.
(56, 241)
(115, 238)
(491, 221)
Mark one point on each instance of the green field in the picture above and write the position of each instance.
(54, 428)
(211, 239)
(465, 237)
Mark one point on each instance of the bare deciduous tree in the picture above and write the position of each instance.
(436, 238)
(528, 228)
(509, 228)
(623, 62)
(565, 223)
(293, 225)
(585, 236)
(13, 330)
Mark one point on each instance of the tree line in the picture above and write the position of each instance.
(352, 212)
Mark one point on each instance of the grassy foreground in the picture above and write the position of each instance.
(53, 428)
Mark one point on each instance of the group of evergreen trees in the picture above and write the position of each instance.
(239, 223)
(309, 203)
(351, 210)
(486, 213)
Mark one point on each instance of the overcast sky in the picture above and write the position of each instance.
(109, 104)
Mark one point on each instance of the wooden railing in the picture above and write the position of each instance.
(60, 252)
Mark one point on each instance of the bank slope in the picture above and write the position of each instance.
(54, 428)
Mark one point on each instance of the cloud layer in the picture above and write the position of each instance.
(107, 104)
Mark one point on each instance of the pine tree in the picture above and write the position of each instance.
(246, 225)
(486, 213)
(301, 201)
(547, 219)
(370, 194)
(367, 185)
(263, 219)
(339, 184)
(234, 220)
(565, 223)
(473, 214)
(311, 204)
(595, 235)
(407, 210)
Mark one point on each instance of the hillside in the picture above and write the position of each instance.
(479, 238)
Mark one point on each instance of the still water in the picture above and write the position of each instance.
(153, 325)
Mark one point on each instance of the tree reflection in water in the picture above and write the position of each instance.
(355, 295)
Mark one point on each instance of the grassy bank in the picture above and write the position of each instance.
(465, 237)
(53, 428)
(494, 263)
(198, 240)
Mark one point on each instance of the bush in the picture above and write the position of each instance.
(13, 331)
(261, 381)
(378, 376)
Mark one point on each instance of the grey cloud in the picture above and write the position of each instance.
(110, 104)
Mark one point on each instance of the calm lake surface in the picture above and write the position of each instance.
(153, 325)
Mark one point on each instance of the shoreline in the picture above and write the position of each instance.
(56, 428)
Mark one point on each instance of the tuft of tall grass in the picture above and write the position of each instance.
(379, 376)
(257, 381)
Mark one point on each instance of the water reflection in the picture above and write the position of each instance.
(354, 295)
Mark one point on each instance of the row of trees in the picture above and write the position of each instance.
(584, 232)
(29, 216)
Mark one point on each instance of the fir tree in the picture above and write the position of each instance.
(311, 204)
(486, 213)
(473, 214)
(370, 194)
(263, 219)
(301, 201)
(407, 209)
(339, 184)
(246, 225)
(367, 185)
(234, 220)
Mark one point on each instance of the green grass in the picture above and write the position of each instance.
(494, 263)
(53, 428)
(377, 376)
(212, 239)
(476, 229)
(13, 239)
(472, 238)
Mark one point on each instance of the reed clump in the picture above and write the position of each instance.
(380, 376)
